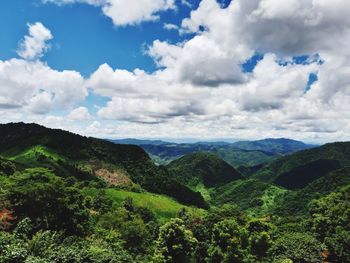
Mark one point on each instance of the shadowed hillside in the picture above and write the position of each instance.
(301, 168)
(68, 154)
(203, 168)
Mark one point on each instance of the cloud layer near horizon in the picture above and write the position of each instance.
(199, 89)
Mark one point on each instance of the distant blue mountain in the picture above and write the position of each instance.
(140, 142)
(281, 146)
(243, 153)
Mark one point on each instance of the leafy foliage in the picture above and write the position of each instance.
(298, 247)
(47, 200)
(175, 243)
(331, 222)
(251, 195)
(54, 209)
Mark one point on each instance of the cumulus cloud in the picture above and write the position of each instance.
(34, 86)
(124, 12)
(200, 87)
(34, 45)
(79, 114)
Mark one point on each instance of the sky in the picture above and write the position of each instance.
(176, 69)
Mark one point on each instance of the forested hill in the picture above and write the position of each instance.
(204, 168)
(68, 198)
(68, 154)
(16, 137)
(300, 169)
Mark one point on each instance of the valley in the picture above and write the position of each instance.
(101, 201)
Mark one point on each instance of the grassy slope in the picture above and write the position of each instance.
(31, 155)
(162, 206)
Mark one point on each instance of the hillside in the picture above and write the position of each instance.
(296, 202)
(299, 169)
(203, 168)
(256, 197)
(68, 154)
(243, 153)
(68, 198)
(163, 207)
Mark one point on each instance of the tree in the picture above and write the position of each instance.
(330, 220)
(175, 243)
(298, 247)
(259, 237)
(229, 242)
(46, 199)
(136, 235)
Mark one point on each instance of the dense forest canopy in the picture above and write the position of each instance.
(68, 198)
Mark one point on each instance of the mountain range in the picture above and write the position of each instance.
(47, 173)
(238, 154)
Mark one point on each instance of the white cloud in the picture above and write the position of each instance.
(30, 86)
(200, 89)
(34, 45)
(34, 86)
(186, 3)
(124, 12)
(169, 26)
(79, 114)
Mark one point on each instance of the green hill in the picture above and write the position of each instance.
(256, 197)
(68, 198)
(203, 168)
(68, 154)
(296, 202)
(162, 206)
(300, 169)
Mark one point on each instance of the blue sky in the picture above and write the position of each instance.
(201, 69)
(83, 37)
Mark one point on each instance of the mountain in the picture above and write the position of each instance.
(68, 154)
(164, 154)
(279, 146)
(245, 153)
(203, 168)
(139, 142)
(296, 202)
(68, 197)
(289, 184)
(299, 169)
